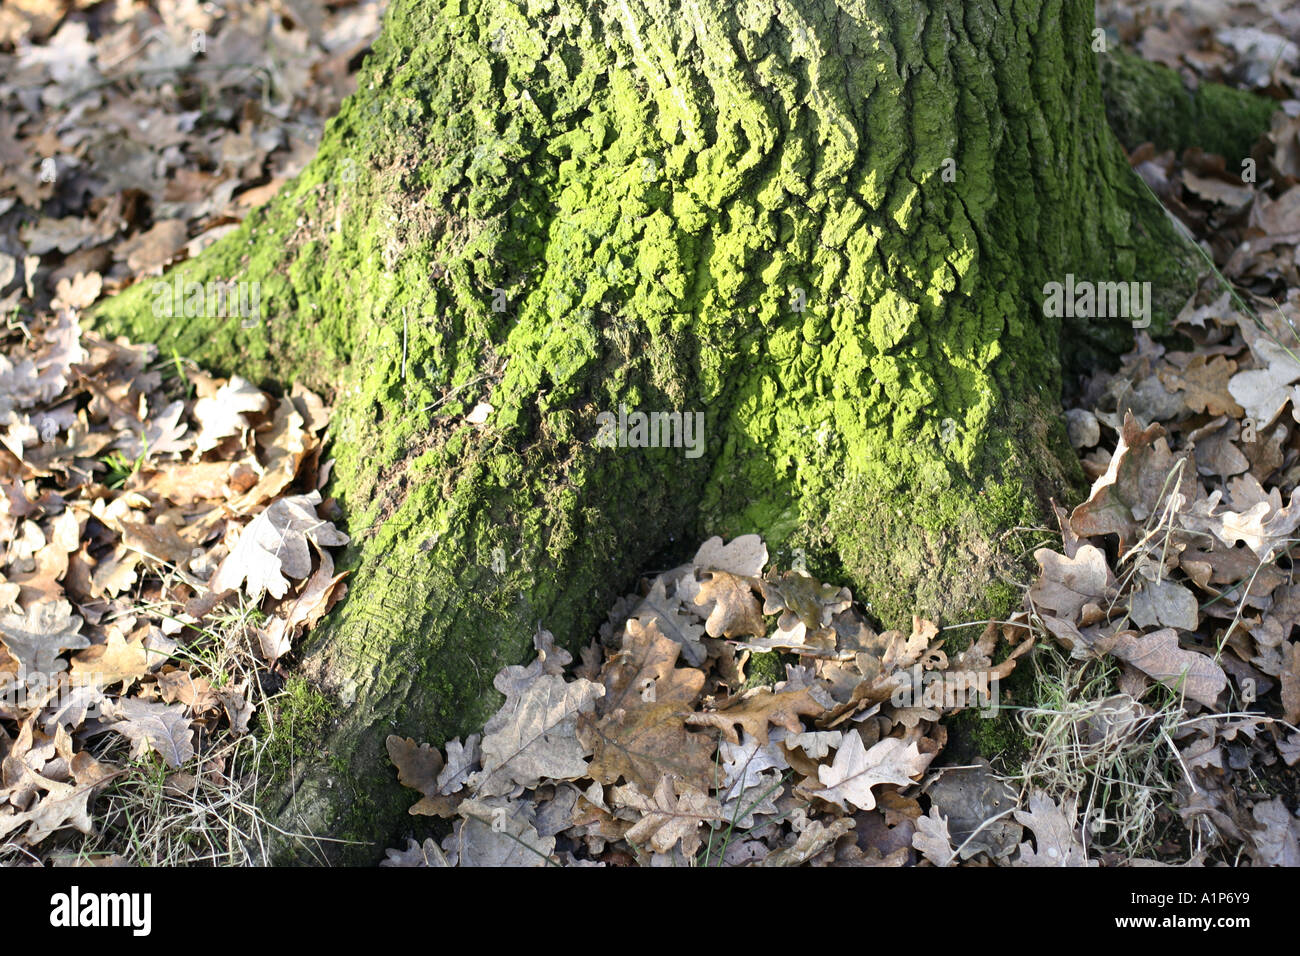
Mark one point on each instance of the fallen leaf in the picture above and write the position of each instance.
(856, 770)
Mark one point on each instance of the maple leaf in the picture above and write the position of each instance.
(1054, 836)
(532, 735)
(275, 544)
(849, 779)
(38, 636)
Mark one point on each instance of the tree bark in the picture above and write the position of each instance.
(826, 226)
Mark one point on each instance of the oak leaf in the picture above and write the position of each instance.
(673, 814)
(856, 770)
(533, 736)
(1158, 655)
(38, 636)
(1054, 834)
(274, 544)
(757, 708)
(1067, 585)
(736, 610)
(153, 726)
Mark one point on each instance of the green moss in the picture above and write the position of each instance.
(765, 669)
(1149, 103)
(296, 727)
(995, 733)
(563, 214)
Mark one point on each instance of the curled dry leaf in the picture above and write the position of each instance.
(274, 545)
(736, 611)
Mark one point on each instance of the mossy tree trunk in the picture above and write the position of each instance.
(824, 225)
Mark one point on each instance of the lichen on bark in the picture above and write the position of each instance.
(824, 225)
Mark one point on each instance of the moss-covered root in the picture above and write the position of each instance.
(1149, 103)
(817, 232)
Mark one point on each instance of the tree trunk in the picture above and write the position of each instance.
(825, 226)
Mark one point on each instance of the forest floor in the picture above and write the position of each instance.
(164, 539)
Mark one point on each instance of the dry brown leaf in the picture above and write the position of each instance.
(932, 839)
(1204, 383)
(1067, 585)
(736, 611)
(856, 770)
(645, 670)
(226, 413)
(418, 765)
(38, 636)
(1054, 836)
(1158, 655)
(323, 590)
(533, 735)
(674, 814)
(763, 706)
(1290, 680)
(153, 726)
(1135, 485)
(274, 545)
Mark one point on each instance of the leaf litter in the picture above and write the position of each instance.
(125, 497)
(115, 570)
